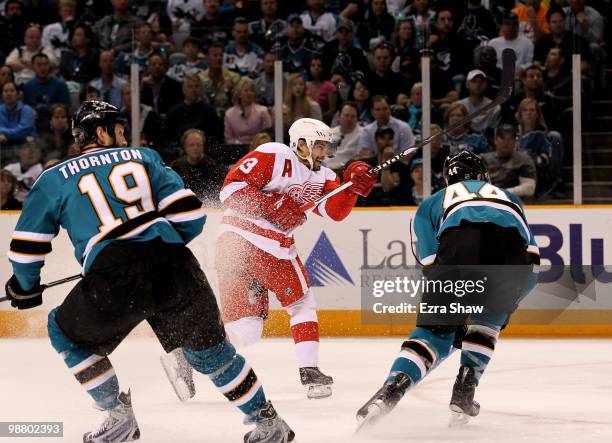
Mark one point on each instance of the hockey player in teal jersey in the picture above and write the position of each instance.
(473, 223)
(129, 218)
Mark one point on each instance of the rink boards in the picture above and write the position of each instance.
(337, 253)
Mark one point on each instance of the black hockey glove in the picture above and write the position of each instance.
(21, 299)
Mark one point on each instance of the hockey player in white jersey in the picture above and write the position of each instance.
(255, 251)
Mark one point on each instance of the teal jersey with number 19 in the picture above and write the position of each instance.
(474, 201)
(101, 197)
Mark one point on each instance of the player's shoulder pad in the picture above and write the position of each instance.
(514, 198)
(273, 148)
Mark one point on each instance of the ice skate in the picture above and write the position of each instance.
(270, 428)
(180, 374)
(462, 404)
(383, 401)
(318, 384)
(120, 425)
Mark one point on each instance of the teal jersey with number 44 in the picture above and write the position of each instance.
(473, 201)
(100, 197)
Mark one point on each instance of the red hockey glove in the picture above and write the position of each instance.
(284, 213)
(362, 182)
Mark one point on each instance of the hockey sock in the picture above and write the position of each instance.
(420, 353)
(305, 330)
(478, 347)
(94, 372)
(231, 374)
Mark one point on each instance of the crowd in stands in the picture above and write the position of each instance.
(207, 82)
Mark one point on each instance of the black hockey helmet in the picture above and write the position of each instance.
(464, 165)
(92, 114)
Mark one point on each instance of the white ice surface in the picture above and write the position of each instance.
(534, 390)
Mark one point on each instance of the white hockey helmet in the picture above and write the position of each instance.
(311, 131)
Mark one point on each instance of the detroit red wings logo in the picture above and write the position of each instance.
(306, 192)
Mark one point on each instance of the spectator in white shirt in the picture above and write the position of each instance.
(510, 38)
(20, 59)
(346, 134)
(319, 22)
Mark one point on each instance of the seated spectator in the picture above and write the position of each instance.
(56, 35)
(560, 37)
(477, 84)
(193, 63)
(260, 139)
(26, 170)
(20, 58)
(44, 90)
(160, 91)
(508, 168)
(241, 55)
(264, 84)
(79, 61)
(114, 32)
(532, 80)
(359, 94)
(375, 25)
(321, 90)
(486, 61)
(6, 75)
(202, 174)
(510, 38)
(218, 83)
(462, 138)
(347, 135)
(341, 55)
(246, 118)
(143, 36)
(416, 175)
(478, 24)
(532, 140)
(193, 112)
(406, 56)
(89, 92)
(13, 26)
(8, 183)
(449, 47)
(415, 108)
(150, 123)
(382, 80)
(587, 22)
(395, 184)
(16, 119)
(55, 142)
(297, 46)
(215, 25)
(421, 15)
(183, 14)
(402, 134)
(558, 76)
(443, 89)
(109, 84)
(266, 31)
(318, 21)
(297, 104)
(532, 19)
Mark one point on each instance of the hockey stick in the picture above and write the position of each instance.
(54, 283)
(505, 91)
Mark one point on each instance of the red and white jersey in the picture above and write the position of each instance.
(272, 168)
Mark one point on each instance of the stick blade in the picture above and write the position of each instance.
(508, 67)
